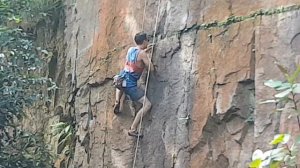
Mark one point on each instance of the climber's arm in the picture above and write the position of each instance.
(146, 59)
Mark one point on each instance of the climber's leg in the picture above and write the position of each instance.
(142, 112)
(137, 94)
(119, 100)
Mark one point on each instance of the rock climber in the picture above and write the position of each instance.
(136, 60)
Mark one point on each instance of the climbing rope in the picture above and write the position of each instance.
(144, 14)
(148, 75)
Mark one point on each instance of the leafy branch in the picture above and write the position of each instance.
(22, 82)
(287, 90)
(283, 155)
(65, 134)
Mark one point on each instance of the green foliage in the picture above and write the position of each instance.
(24, 150)
(65, 134)
(286, 91)
(39, 9)
(282, 155)
(280, 139)
(31, 11)
(292, 78)
(21, 82)
(255, 164)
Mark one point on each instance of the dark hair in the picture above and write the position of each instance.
(139, 38)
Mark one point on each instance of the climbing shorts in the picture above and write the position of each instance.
(135, 93)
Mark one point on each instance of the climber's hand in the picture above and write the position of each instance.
(149, 47)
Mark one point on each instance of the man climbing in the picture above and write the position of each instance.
(136, 60)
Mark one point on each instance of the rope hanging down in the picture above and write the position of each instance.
(144, 14)
(148, 74)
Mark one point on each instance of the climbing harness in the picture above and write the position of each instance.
(119, 80)
(148, 74)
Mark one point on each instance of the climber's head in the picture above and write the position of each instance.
(141, 40)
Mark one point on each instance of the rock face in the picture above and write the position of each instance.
(207, 89)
